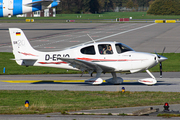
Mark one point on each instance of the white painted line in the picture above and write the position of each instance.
(116, 34)
(73, 41)
(49, 47)
(43, 40)
(124, 32)
(95, 33)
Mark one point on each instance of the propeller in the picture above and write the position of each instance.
(160, 60)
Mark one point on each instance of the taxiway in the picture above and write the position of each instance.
(169, 83)
(145, 37)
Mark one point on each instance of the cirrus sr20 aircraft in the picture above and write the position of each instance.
(99, 57)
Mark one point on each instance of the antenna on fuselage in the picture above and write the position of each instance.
(91, 38)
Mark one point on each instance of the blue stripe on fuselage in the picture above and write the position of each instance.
(36, 8)
(17, 7)
(1, 8)
(54, 4)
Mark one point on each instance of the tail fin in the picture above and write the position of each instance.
(22, 49)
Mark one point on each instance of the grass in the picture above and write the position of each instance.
(61, 18)
(170, 65)
(168, 115)
(42, 101)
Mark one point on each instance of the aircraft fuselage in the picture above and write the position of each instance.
(127, 61)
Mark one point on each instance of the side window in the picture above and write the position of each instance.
(105, 49)
(88, 50)
(122, 48)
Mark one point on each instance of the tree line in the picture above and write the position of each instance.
(165, 7)
(98, 6)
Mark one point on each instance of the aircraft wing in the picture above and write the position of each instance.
(86, 65)
(38, 3)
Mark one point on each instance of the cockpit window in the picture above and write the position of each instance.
(88, 50)
(122, 48)
(105, 49)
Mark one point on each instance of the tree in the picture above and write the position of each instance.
(85, 6)
(136, 5)
(151, 2)
(98, 6)
(165, 7)
(108, 6)
(130, 4)
(94, 6)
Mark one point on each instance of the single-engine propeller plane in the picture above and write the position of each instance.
(99, 57)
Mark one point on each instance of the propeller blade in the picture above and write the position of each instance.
(160, 66)
(157, 54)
(161, 59)
(163, 51)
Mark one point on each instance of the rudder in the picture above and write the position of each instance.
(22, 49)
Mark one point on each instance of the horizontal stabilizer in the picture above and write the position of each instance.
(25, 59)
(38, 3)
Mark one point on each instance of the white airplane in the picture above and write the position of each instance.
(99, 57)
(15, 7)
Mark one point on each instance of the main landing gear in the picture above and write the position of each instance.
(97, 80)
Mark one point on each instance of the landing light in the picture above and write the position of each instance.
(123, 89)
(166, 106)
(26, 104)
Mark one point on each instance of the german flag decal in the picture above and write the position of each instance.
(18, 33)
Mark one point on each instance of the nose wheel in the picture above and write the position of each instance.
(148, 81)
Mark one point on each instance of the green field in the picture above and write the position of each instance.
(42, 101)
(110, 16)
(170, 65)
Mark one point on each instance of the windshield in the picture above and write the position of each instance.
(120, 47)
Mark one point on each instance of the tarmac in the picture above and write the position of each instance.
(174, 109)
(50, 37)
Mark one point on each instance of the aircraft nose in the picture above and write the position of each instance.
(162, 58)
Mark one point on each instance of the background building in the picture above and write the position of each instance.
(51, 12)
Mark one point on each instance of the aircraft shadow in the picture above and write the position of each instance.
(103, 84)
(52, 82)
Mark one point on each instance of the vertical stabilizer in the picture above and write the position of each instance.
(22, 49)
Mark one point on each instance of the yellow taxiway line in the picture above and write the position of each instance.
(65, 81)
(20, 81)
